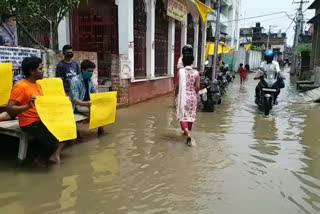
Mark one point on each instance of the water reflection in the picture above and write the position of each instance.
(243, 162)
(266, 133)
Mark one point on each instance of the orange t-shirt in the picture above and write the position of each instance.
(21, 93)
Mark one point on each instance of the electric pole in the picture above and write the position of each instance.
(269, 37)
(269, 34)
(298, 32)
(217, 40)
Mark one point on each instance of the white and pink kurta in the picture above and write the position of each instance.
(187, 96)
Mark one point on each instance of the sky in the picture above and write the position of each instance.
(251, 8)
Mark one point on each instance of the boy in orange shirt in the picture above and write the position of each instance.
(22, 104)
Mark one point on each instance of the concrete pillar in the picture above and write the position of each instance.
(171, 42)
(203, 45)
(64, 32)
(196, 39)
(126, 32)
(184, 30)
(150, 4)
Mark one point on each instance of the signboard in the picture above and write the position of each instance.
(15, 55)
(56, 113)
(246, 32)
(177, 9)
(103, 109)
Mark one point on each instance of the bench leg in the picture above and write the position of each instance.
(23, 147)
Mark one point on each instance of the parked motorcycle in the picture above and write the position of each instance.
(210, 92)
(222, 83)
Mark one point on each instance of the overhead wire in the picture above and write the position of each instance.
(254, 17)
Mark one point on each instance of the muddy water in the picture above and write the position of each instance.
(242, 162)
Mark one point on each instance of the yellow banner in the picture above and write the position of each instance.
(103, 109)
(177, 10)
(203, 10)
(248, 46)
(223, 49)
(52, 87)
(56, 113)
(6, 81)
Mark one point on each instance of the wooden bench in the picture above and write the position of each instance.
(304, 82)
(12, 128)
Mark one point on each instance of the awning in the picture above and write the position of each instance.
(315, 19)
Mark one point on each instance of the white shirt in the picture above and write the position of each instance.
(267, 67)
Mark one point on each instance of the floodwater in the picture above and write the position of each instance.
(242, 162)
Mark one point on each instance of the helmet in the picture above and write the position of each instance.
(187, 50)
(269, 54)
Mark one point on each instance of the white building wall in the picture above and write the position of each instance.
(64, 32)
(230, 15)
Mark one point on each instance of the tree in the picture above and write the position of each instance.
(40, 15)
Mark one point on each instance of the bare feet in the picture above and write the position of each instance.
(185, 133)
(55, 158)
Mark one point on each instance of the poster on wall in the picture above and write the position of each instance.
(177, 9)
(15, 55)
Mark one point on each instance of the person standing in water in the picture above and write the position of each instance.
(187, 90)
(242, 72)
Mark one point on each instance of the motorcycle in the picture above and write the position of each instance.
(222, 83)
(210, 92)
(268, 91)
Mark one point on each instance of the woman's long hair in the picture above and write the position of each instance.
(187, 60)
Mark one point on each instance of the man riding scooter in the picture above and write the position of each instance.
(269, 65)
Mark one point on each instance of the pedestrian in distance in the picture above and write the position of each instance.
(243, 74)
(187, 94)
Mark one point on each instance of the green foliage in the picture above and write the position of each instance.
(305, 48)
(39, 15)
(258, 48)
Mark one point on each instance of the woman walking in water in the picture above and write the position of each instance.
(187, 90)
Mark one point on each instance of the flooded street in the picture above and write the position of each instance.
(242, 162)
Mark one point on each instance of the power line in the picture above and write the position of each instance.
(253, 17)
(289, 26)
(273, 19)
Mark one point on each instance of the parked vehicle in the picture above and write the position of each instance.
(210, 92)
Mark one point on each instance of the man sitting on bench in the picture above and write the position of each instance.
(21, 103)
(81, 87)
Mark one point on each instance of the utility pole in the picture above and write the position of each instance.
(298, 31)
(269, 37)
(269, 34)
(217, 40)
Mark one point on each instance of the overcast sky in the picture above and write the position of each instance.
(252, 8)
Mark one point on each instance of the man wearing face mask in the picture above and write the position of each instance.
(8, 30)
(67, 68)
(82, 86)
